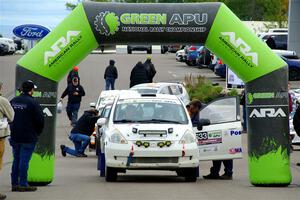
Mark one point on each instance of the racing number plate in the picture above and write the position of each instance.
(206, 138)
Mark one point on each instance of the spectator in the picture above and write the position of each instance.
(194, 108)
(110, 75)
(73, 73)
(243, 104)
(6, 115)
(27, 125)
(296, 123)
(215, 169)
(150, 68)
(139, 74)
(75, 92)
(80, 134)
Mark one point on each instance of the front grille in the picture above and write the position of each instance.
(154, 160)
(152, 132)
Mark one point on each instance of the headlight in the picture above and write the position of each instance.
(188, 138)
(118, 138)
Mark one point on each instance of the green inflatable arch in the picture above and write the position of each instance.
(212, 24)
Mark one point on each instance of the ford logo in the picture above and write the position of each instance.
(31, 31)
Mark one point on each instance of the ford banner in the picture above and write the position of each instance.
(31, 31)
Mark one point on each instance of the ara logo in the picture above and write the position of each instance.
(47, 112)
(242, 45)
(267, 112)
(107, 23)
(60, 44)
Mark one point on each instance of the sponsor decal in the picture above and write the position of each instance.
(47, 112)
(208, 149)
(266, 95)
(240, 48)
(235, 150)
(62, 47)
(31, 31)
(235, 132)
(108, 23)
(267, 112)
(205, 138)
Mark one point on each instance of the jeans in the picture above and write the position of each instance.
(110, 82)
(72, 112)
(228, 166)
(244, 118)
(80, 141)
(22, 153)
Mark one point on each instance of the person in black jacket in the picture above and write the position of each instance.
(150, 68)
(75, 92)
(110, 75)
(80, 134)
(72, 74)
(139, 74)
(27, 125)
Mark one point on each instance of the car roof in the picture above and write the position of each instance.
(148, 96)
(109, 93)
(154, 85)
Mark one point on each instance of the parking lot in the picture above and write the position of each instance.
(78, 178)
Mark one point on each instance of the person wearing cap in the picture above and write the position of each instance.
(6, 115)
(150, 68)
(27, 125)
(80, 134)
(73, 73)
(75, 93)
(110, 75)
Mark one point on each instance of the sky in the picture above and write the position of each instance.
(47, 13)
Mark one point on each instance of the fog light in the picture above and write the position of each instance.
(146, 144)
(161, 144)
(168, 143)
(138, 143)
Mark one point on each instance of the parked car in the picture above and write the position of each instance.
(294, 67)
(131, 48)
(10, 43)
(180, 55)
(220, 69)
(170, 48)
(192, 53)
(280, 39)
(163, 88)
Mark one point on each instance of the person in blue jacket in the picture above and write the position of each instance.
(27, 125)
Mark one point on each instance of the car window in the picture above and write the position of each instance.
(105, 112)
(220, 111)
(150, 110)
(175, 90)
(145, 90)
(280, 38)
(165, 90)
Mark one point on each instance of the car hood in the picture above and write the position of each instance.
(152, 131)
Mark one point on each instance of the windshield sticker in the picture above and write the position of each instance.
(123, 101)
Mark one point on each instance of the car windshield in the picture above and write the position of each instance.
(292, 57)
(145, 90)
(150, 111)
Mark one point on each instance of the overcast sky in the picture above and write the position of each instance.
(42, 12)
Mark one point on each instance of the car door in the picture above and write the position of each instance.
(222, 138)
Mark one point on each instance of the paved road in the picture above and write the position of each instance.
(77, 178)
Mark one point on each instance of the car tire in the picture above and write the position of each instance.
(191, 174)
(293, 75)
(149, 51)
(111, 174)
(188, 63)
(129, 51)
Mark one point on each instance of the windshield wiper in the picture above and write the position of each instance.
(125, 121)
(160, 120)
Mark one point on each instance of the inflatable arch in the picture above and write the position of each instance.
(212, 24)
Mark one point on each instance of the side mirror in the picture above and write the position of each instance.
(203, 122)
(93, 105)
(101, 121)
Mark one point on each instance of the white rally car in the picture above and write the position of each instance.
(156, 133)
(148, 131)
(163, 88)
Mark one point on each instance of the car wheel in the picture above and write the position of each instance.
(111, 174)
(293, 75)
(149, 51)
(188, 63)
(190, 174)
(129, 51)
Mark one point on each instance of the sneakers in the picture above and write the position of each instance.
(2, 196)
(211, 176)
(63, 152)
(23, 189)
(27, 188)
(82, 155)
(226, 177)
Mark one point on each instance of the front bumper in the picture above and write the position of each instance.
(173, 157)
